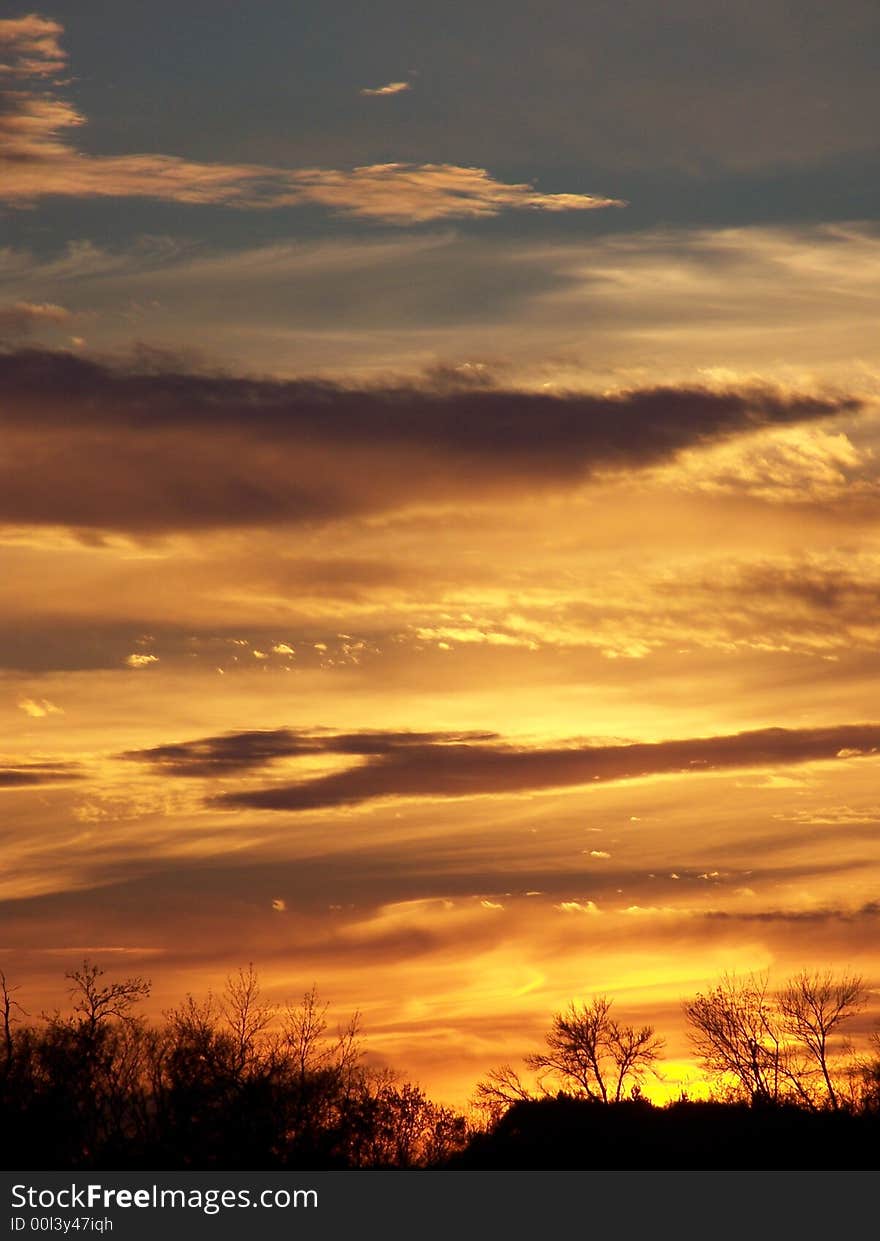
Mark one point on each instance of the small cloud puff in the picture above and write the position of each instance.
(140, 661)
(577, 907)
(390, 88)
(39, 708)
(279, 905)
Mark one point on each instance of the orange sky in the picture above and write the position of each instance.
(462, 615)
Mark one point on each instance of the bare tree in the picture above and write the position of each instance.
(305, 1027)
(95, 1003)
(499, 1090)
(735, 1030)
(246, 1015)
(591, 1051)
(9, 1008)
(869, 1073)
(812, 1007)
(633, 1051)
(197, 1021)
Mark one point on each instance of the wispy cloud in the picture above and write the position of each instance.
(30, 47)
(390, 88)
(27, 775)
(37, 161)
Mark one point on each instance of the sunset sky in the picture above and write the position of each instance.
(439, 496)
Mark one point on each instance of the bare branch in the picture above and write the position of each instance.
(96, 1003)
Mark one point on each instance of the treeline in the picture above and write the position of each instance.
(225, 1083)
(789, 1090)
(230, 1082)
(758, 1045)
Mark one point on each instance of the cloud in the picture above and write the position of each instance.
(37, 161)
(38, 709)
(626, 308)
(403, 193)
(29, 47)
(390, 88)
(869, 911)
(110, 448)
(22, 317)
(232, 753)
(823, 605)
(792, 466)
(469, 765)
(137, 660)
(27, 775)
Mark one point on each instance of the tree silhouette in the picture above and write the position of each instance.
(12, 1011)
(813, 1006)
(775, 1045)
(96, 1003)
(500, 1089)
(735, 1031)
(589, 1051)
(234, 1083)
(870, 1076)
(247, 1016)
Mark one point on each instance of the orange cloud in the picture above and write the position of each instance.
(29, 46)
(33, 774)
(37, 162)
(274, 451)
(21, 317)
(141, 661)
(39, 708)
(390, 88)
(410, 765)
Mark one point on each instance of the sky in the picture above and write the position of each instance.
(439, 483)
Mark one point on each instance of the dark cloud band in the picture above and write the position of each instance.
(466, 765)
(36, 774)
(101, 447)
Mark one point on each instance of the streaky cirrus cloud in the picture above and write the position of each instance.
(107, 447)
(37, 161)
(390, 88)
(401, 765)
(32, 774)
(786, 303)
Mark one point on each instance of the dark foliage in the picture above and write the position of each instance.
(211, 1088)
(567, 1134)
